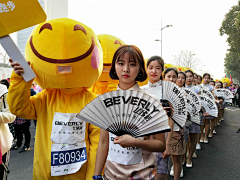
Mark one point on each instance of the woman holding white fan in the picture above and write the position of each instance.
(155, 67)
(128, 67)
(177, 138)
(194, 128)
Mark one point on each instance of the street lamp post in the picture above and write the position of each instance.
(161, 34)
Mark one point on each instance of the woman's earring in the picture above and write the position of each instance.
(139, 75)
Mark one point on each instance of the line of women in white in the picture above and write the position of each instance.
(128, 67)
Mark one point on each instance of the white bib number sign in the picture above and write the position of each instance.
(125, 156)
(67, 158)
(68, 151)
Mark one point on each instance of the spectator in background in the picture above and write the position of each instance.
(238, 93)
(233, 92)
(212, 83)
(225, 85)
(6, 82)
(36, 87)
(5, 135)
(229, 87)
(21, 126)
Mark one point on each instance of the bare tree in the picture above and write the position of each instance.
(186, 59)
(4, 59)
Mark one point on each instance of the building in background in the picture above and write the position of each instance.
(54, 9)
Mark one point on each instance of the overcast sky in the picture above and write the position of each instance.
(195, 26)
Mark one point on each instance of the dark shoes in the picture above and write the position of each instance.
(14, 147)
(238, 131)
(24, 148)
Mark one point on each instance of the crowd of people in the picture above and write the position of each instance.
(189, 139)
(88, 152)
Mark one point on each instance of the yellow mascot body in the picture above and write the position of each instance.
(109, 45)
(67, 59)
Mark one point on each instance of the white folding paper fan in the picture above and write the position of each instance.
(223, 93)
(209, 105)
(205, 91)
(194, 105)
(177, 98)
(126, 112)
(195, 97)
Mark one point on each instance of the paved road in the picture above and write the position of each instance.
(218, 160)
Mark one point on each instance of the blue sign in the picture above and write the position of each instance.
(68, 157)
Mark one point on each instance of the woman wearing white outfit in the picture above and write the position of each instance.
(5, 135)
(206, 79)
(128, 67)
(155, 67)
(194, 129)
(178, 146)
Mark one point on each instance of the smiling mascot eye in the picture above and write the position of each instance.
(64, 53)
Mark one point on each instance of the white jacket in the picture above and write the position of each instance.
(5, 118)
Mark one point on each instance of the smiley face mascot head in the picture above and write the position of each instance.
(109, 45)
(64, 53)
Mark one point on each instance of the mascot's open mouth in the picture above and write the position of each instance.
(62, 61)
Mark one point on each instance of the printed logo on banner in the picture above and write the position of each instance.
(6, 8)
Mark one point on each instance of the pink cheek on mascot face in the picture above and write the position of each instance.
(95, 60)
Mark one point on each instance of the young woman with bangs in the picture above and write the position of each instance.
(221, 105)
(206, 79)
(128, 67)
(214, 120)
(181, 83)
(175, 138)
(155, 67)
(195, 79)
(199, 80)
(194, 129)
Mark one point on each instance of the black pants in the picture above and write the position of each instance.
(35, 123)
(20, 130)
(4, 166)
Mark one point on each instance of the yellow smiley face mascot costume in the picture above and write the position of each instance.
(67, 59)
(109, 45)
